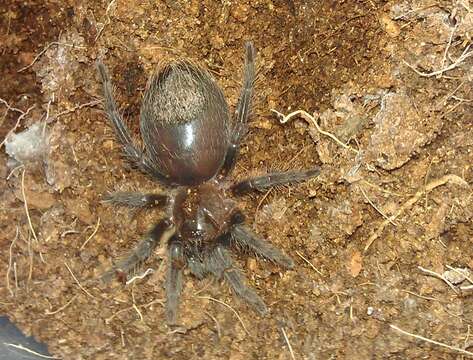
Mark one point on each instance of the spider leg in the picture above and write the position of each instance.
(136, 200)
(174, 279)
(220, 264)
(246, 239)
(195, 265)
(162, 231)
(132, 152)
(237, 282)
(243, 109)
(261, 183)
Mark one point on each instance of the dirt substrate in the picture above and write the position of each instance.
(386, 87)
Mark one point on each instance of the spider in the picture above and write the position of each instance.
(191, 143)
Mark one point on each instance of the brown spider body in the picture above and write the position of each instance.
(203, 213)
(190, 143)
(185, 124)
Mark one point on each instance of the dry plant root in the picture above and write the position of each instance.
(409, 203)
(438, 343)
(311, 120)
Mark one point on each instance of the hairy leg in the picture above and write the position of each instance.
(246, 239)
(132, 152)
(243, 108)
(162, 231)
(261, 183)
(220, 264)
(237, 282)
(195, 263)
(136, 200)
(174, 280)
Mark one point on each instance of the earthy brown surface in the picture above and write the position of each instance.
(344, 59)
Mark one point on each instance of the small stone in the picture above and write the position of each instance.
(410, 304)
(217, 42)
(251, 264)
(389, 26)
(264, 124)
(108, 144)
(240, 12)
(356, 263)
(80, 209)
(457, 275)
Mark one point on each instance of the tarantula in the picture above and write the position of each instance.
(191, 143)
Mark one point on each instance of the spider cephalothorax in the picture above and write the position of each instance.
(190, 144)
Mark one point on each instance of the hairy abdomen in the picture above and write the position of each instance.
(185, 124)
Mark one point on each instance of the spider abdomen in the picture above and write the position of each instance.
(185, 124)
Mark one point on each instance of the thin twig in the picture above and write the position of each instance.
(217, 325)
(77, 282)
(462, 100)
(139, 277)
(229, 307)
(454, 348)
(13, 171)
(136, 307)
(413, 11)
(91, 235)
(261, 202)
(10, 252)
(17, 124)
(44, 50)
(122, 336)
(467, 337)
(460, 273)
(379, 188)
(15, 273)
(311, 120)
(467, 7)
(206, 285)
(409, 203)
(444, 58)
(75, 108)
(25, 203)
(30, 253)
(62, 307)
(420, 296)
(288, 343)
(48, 107)
(438, 276)
(465, 55)
(25, 349)
(39, 55)
(375, 207)
(157, 301)
(426, 178)
(447, 97)
(108, 20)
(309, 263)
(67, 232)
(139, 312)
(11, 108)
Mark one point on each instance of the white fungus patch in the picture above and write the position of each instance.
(30, 145)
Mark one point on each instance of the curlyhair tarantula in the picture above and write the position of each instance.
(191, 143)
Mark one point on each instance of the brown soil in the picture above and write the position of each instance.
(409, 160)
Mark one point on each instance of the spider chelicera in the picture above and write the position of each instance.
(191, 143)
